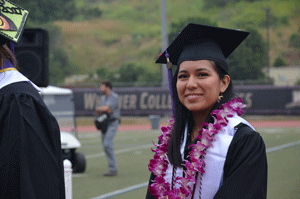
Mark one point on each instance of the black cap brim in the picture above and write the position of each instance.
(227, 39)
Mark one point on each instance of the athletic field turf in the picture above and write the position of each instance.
(132, 148)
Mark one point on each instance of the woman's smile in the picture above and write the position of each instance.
(193, 97)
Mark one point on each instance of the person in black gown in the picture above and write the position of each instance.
(31, 165)
(208, 144)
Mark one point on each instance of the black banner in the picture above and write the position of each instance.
(157, 101)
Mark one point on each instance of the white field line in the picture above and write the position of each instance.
(145, 184)
(120, 151)
(122, 191)
(92, 135)
(79, 175)
(129, 137)
(274, 130)
(282, 146)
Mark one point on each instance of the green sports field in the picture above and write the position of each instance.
(133, 152)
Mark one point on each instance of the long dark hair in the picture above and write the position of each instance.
(181, 115)
(5, 53)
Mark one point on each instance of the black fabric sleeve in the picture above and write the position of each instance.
(31, 165)
(245, 168)
(148, 195)
(152, 177)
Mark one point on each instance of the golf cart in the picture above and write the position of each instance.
(69, 144)
(60, 102)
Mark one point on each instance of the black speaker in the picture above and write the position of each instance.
(32, 54)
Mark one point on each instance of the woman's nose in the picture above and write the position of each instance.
(192, 84)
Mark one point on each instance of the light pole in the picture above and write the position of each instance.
(164, 33)
(268, 39)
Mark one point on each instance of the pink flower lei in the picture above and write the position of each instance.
(159, 164)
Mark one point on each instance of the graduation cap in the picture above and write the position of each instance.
(12, 21)
(201, 42)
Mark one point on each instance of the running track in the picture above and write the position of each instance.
(141, 127)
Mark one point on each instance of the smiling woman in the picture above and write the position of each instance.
(199, 86)
(208, 150)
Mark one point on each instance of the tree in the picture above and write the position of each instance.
(247, 61)
(50, 10)
(176, 27)
(42, 12)
(59, 63)
(129, 72)
(222, 3)
(279, 62)
(294, 40)
(105, 74)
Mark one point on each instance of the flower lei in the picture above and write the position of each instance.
(159, 164)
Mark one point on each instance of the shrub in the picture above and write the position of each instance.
(130, 72)
(294, 40)
(89, 13)
(279, 62)
(109, 42)
(248, 60)
(284, 20)
(177, 26)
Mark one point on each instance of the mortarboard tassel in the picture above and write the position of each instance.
(169, 67)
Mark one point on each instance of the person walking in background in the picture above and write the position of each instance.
(109, 105)
(31, 164)
(208, 151)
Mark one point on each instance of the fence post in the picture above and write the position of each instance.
(68, 178)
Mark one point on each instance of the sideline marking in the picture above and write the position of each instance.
(122, 191)
(145, 184)
(282, 146)
(120, 151)
(79, 175)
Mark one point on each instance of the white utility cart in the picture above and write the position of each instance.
(60, 102)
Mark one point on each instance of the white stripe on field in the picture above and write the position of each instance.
(145, 184)
(79, 175)
(120, 151)
(122, 191)
(282, 146)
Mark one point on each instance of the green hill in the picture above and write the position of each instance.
(129, 31)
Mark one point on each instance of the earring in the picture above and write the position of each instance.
(219, 98)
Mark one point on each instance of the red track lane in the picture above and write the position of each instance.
(141, 127)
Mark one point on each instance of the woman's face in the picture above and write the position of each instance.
(199, 85)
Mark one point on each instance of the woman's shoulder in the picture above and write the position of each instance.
(242, 129)
(18, 98)
(237, 120)
(246, 134)
(22, 87)
(233, 123)
(20, 91)
(245, 130)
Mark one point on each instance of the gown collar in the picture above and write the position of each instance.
(12, 75)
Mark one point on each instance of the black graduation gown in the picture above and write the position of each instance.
(31, 165)
(245, 167)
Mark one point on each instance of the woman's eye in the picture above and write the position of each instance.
(182, 76)
(202, 74)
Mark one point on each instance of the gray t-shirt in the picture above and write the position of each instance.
(113, 102)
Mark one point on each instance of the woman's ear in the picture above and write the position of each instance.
(224, 83)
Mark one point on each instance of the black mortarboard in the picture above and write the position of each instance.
(199, 42)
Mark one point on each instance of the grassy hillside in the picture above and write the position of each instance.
(130, 30)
